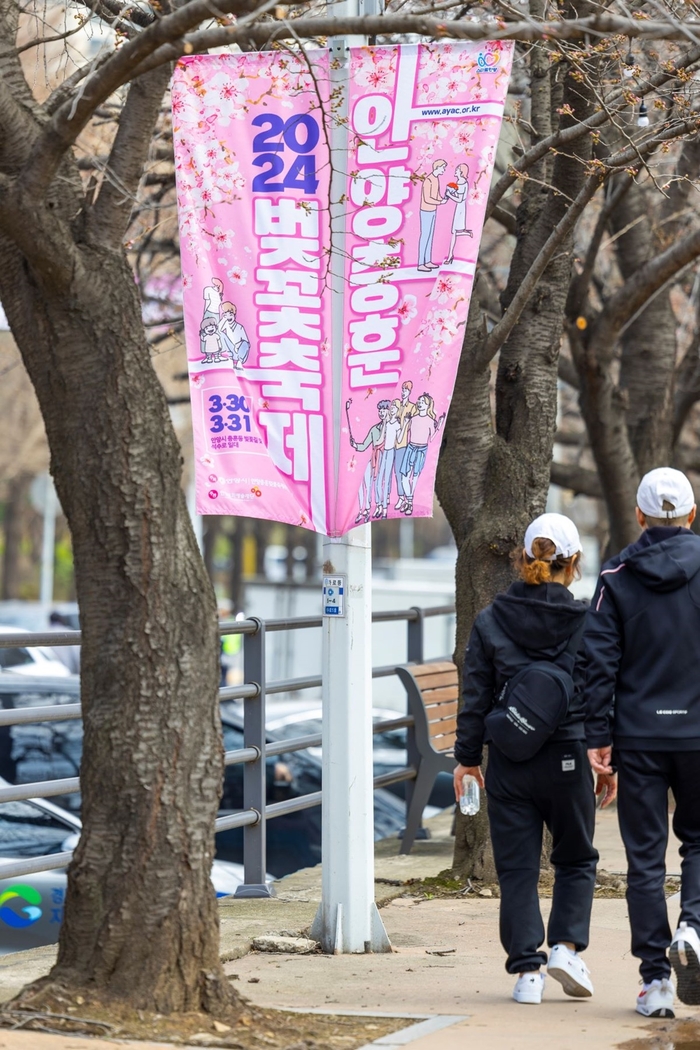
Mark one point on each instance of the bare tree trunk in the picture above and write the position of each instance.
(17, 490)
(141, 918)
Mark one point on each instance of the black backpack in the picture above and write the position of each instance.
(532, 704)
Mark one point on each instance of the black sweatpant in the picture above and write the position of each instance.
(644, 781)
(553, 788)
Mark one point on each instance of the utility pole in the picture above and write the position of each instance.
(347, 919)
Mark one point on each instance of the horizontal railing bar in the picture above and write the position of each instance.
(243, 754)
(15, 868)
(384, 779)
(293, 805)
(39, 789)
(249, 690)
(55, 713)
(226, 627)
(237, 820)
(292, 685)
(393, 723)
(26, 639)
(297, 743)
(294, 623)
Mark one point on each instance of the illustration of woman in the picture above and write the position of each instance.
(457, 191)
(422, 428)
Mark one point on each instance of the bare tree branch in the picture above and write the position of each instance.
(110, 214)
(580, 480)
(635, 292)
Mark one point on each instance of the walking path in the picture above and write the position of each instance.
(468, 981)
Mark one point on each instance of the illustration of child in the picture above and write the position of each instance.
(210, 342)
(422, 428)
(212, 306)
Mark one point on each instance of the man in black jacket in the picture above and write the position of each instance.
(642, 650)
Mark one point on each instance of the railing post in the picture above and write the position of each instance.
(254, 773)
(415, 655)
(415, 636)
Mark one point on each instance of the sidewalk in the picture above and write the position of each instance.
(469, 981)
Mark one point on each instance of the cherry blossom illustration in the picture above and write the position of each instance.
(407, 309)
(447, 287)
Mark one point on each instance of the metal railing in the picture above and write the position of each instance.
(256, 750)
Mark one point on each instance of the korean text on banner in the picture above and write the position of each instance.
(253, 182)
(251, 137)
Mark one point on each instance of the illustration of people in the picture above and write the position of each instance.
(430, 198)
(375, 438)
(405, 409)
(212, 308)
(457, 191)
(209, 341)
(236, 344)
(422, 428)
(387, 458)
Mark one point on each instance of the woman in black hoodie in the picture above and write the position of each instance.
(536, 620)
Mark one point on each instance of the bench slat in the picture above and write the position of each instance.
(447, 694)
(444, 743)
(427, 669)
(444, 727)
(440, 711)
(434, 681)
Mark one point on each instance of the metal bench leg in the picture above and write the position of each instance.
(414, 812)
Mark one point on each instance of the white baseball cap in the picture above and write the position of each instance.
(665, 485)
(557, 528)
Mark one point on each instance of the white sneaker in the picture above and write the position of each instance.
(570, 970)
(656, 999)
(685, 960)
(529, 988)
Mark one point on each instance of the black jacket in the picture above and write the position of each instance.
(642, 646)
(527, 623)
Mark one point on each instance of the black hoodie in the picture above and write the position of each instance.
(527, 623)
(642, 646)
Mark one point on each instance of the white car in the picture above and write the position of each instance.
(31, 906)
(31, 660)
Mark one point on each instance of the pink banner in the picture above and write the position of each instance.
(252, 137)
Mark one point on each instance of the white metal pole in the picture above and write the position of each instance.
(347, 919)
(48, 545)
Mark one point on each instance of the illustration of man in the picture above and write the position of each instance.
(405, 409)
(375, 438)
(392, 432)
(430, 198)
(234, 336)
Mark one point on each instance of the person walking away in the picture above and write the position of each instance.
(535, 629)
(642, 651)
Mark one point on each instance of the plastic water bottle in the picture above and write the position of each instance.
(470, 801)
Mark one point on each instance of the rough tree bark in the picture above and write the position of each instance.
(141, 922)
(17, 492)
(504, 470)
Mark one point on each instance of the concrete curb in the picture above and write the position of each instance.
(416, 1031)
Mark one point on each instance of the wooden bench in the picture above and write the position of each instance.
(433, 697)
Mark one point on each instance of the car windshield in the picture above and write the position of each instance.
(28, 831)
(14, 657)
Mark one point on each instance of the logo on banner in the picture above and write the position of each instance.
(488, 60)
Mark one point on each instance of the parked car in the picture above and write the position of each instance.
(31, 906)
(389, 749)
(30, 660)
(52, 750)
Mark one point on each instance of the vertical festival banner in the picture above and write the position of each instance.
(251, 136)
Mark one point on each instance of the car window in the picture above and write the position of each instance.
(41, 750)
(14, 657)
(28, 831)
